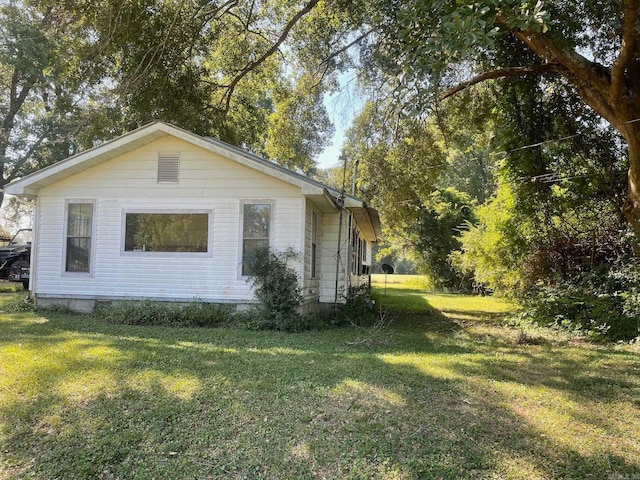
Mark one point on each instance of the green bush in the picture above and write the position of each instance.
(147, 312)
(357, 309)
(604, 304)
(275, 284)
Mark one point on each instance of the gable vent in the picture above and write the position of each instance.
(168, 167)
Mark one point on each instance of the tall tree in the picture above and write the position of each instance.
(78, 72)
(592, 46)
(44, 87)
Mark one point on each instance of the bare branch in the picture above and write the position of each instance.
(348, 46)
(16, 99)
(630, 12)
(255, 64)
(503, 73)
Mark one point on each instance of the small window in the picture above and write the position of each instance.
(314, 242)
(168, 167)
(255, 231)
(79, 232)
(166, 232)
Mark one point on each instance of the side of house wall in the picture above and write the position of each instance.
(128, 183)
(334, 253)
(313, 234)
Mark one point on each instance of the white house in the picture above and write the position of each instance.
(161, 213)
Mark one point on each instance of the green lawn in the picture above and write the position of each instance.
(446, 393)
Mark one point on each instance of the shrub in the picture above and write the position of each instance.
(357, 309)
(275, 284)
(260, 318)
(604, 304)
(147, 312)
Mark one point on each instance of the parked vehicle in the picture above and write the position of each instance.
(15, 258)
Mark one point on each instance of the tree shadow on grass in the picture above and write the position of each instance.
(104, 401)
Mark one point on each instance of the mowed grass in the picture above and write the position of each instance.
(444, 391)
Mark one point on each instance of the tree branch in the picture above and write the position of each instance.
(544, 46)
(503, 73)
(347, 46)
(255, 64)
(16, 99)
(18, 164)
(630, 12)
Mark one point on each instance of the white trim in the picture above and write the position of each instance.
(123, 233)
(33, 260)
(92, 253)
(313, 260)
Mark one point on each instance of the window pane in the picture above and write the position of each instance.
(249, 249)
(255, 232)
(80, 216)
(166, 232)
(78, 250)
(257, 218)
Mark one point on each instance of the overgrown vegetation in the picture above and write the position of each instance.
(603, 304)
(275, 284)
(543, 213)
(277, 288)
(147, 312)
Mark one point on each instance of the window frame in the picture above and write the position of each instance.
(65, 237)
(271, 203)
(168, 211)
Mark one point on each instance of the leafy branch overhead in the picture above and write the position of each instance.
(76, 73)
(428, 50)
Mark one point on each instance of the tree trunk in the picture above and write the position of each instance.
(631, 207)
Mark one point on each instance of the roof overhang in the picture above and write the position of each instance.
(31, 184)
(368, 220)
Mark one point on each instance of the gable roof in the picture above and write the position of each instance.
(31, 184)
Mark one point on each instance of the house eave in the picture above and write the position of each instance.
(31, 184)
(368, 221)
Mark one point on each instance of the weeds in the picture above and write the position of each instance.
(147, 312)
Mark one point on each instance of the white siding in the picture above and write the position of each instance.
(311, 284)
(128, 183)
(329, 257)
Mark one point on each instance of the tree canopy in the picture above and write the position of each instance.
(428, 51)
(76, 73)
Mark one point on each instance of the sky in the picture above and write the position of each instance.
(342, 107)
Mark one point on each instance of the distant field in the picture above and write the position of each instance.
(407, 281)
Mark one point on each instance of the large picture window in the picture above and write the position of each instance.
(255, 232)
(166, 232)
(79, 232)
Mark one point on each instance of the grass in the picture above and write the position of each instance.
(7, 287)
(446, 392)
